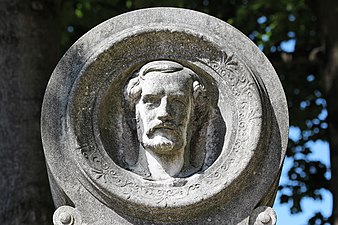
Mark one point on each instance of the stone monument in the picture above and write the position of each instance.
(164, 116)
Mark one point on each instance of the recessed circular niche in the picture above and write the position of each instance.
(229, 146)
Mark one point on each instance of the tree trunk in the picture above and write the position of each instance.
(328, 17)
(29, 45)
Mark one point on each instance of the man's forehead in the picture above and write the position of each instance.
(157, 81)
(179, 76)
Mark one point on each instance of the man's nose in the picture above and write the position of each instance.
(163, 111)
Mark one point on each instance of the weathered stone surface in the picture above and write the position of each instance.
(164, 116)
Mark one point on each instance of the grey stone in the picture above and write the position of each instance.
(164, 116)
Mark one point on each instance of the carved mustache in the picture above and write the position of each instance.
(165, 125)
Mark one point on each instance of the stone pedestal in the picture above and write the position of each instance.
(164, 116)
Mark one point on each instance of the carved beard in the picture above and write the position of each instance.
(162, 144)
(158, 144)
(160, 140)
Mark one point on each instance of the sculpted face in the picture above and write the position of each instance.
(163, 111)
(164, 96)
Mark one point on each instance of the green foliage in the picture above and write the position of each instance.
(272, 25)
(318, 219)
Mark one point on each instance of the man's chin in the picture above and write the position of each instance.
(159, 145)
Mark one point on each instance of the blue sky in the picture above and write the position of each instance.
(320, 151)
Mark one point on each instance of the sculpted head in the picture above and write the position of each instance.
(163, 95)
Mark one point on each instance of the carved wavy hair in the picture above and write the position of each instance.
(133, 89)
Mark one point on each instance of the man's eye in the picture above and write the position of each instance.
(180, 101)
(151, 100)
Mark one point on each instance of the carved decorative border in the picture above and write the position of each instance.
(112, 179)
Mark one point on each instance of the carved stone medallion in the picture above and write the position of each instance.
(161, 116)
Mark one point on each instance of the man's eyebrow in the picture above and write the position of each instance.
(180, 95)
(150, 95)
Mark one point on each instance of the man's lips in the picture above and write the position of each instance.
(170, 127)
(162, 126)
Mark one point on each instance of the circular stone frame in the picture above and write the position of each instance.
(85, 95)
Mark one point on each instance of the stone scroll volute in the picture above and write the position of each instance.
(159, 118)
